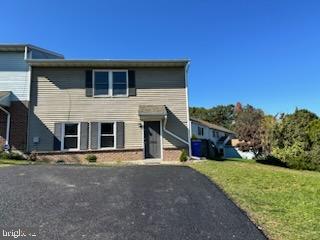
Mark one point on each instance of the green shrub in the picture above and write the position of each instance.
(11, 156)
(296, 157)
(270, 160)
(5, 155)
(194, 137)
(183, 156)
(91, 158)
(315, 157)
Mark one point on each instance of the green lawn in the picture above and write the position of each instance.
(284, 202)
(8, 162)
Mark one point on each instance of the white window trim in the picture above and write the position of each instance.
(201, 132)
(114, 136)
(63, 136)
(110, 78)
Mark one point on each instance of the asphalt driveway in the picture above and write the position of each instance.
(136, 202)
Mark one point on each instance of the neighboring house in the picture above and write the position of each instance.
(221, 139)
(15, 75)
(217, 136)
(115, 109)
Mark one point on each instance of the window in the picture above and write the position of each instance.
(107, 135)
(119, 83)
(70, 136)
(110, 83)
(101, 83)
(200, 131)
(213, 134)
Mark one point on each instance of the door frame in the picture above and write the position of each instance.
(161, 141)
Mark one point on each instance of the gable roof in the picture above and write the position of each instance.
(108, 62)
(20, 47)
(152, 110)
(211, 125)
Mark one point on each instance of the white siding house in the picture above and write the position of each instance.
(220, 138)
(15, 71)
(217, 136)
(15, 80)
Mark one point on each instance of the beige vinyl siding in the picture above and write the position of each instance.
(58, 95)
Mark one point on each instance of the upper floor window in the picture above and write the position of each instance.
(110, 83)
(200, 131)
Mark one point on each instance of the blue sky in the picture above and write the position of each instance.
(265, 53)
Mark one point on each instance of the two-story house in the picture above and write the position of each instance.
(15, 75)
(115, 109)
(216, 136)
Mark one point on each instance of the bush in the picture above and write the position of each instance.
(5, 155)
(314, 157)
(194, 137)
(270, 160)
(91, 158)
(183, 156)
(298, 158)
(11, 156)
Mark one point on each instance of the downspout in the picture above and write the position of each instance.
(186, 79)
(8, 125)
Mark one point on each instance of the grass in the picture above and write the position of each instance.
(284, 202)
(9, 162)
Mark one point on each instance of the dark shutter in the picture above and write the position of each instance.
(57, 136)
(94, 135)
(132, 83)
(89, 88)
(84, 129)
(120, 135)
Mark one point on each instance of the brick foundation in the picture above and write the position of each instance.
(102, 156)
(171, 154)
(3, 128)
(18, 125)
(105, 156)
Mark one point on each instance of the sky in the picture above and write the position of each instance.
(260, 52)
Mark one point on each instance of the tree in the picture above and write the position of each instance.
(248, 126)
(200, 113)
(267, 127)
(293, 128)
(296, 140)
(221, 115)
(238, 108)
(314, 132)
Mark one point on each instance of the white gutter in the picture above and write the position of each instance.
(8, 125)
(172, 134)
(186, 80)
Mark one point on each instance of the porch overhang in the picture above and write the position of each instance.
(152, 112)
(5, 99)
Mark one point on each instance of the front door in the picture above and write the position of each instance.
(152, 139)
